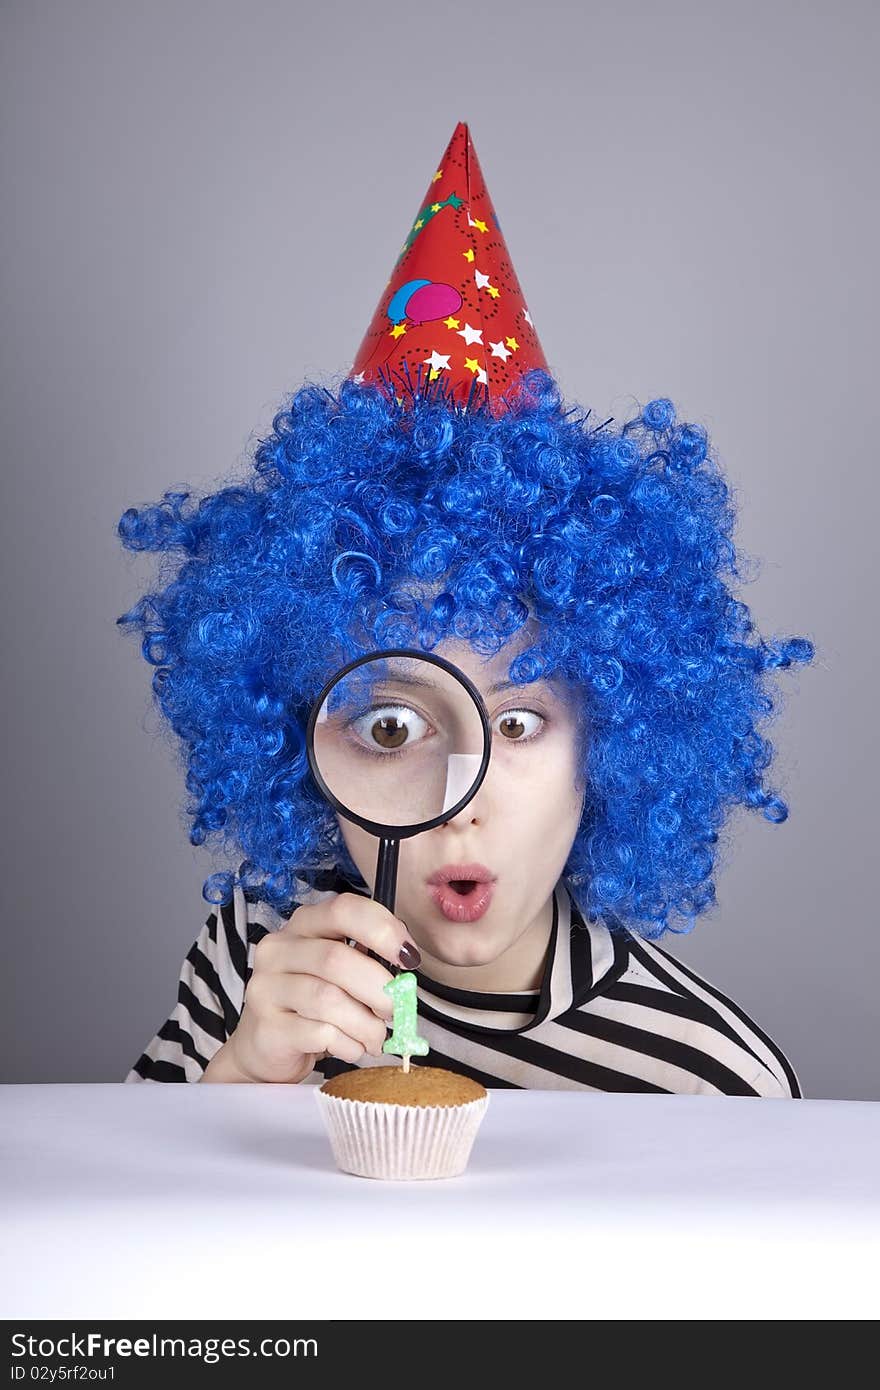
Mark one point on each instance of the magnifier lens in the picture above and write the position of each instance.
(398, 740)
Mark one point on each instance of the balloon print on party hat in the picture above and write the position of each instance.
(452, 321)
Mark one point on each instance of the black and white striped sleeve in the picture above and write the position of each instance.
(756, 1066)
(210, 995)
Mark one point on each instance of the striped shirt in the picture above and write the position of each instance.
(614, 1012)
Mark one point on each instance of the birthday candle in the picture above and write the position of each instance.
(404, 1041)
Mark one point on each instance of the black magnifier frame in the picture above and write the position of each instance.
(389, 836)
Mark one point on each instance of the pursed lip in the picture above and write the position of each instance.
(468, 905)
(475, 873)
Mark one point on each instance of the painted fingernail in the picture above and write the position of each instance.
(410, 956)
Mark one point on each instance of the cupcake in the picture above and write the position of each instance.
(387, 1122)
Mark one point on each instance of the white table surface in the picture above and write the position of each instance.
(177, 1201)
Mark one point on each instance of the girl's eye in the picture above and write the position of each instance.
(519, 725)
(389, 728)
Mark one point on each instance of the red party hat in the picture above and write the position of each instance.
(452, 319)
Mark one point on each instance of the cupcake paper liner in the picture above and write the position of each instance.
(377, 1140)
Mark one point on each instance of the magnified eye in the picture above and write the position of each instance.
(518, 725)
(389, 727)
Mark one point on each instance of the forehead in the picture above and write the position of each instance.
(489, 672)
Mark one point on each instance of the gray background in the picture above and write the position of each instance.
(203, 203)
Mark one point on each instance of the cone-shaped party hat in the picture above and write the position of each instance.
(452, 320)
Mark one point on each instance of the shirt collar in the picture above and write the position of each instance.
(583, 958)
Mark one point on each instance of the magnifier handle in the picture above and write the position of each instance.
(386, 873)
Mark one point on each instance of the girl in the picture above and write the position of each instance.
(580, 578)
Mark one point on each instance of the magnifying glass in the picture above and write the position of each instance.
(398, 742)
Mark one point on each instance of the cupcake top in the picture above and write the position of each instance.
(394, 1086)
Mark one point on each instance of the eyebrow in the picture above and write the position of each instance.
(510, 685)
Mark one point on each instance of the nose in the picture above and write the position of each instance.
(463, 819)
(483, 803)
(474, 813)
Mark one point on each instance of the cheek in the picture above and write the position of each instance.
(541, 785)
(361, 846)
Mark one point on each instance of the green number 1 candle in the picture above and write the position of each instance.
(404, 1041)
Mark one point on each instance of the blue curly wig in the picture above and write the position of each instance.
(372, 522)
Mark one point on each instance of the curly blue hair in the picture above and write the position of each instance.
(371, 521)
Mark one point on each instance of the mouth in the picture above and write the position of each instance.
(462, 892)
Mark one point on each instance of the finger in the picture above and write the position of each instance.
(328, 959)
(349, 917)
(324, 1002)
(309, 1035)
